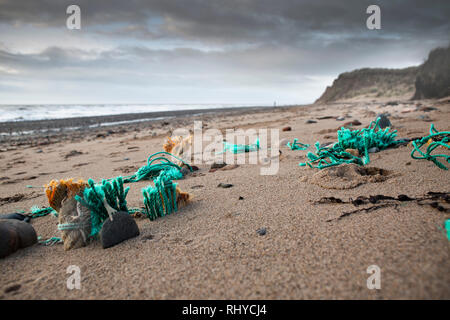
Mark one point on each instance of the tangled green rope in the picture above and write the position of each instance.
(297, 145)
(438, 139)
(51, 241)
(240, 148)
(161, 199)
(361, 140)
(156, 164)
(40, 212)
(447, 227)
(94, 196)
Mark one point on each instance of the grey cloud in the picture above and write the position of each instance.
(229, 21)
(233, 46)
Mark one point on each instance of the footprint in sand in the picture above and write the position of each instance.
(349, 176)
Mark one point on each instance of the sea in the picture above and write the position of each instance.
(10, 113)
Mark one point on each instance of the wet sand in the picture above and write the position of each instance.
(211, 248)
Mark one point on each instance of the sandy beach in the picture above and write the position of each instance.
(211, 249)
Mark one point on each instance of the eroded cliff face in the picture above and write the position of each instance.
(427, 81)
(372, 84)
(433, 77)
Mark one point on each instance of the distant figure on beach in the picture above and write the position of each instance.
(274, 103)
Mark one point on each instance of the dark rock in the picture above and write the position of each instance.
(185, 171)
(217, 165)
(384, 121)
(121, 228)
(427, 109)
(286, 129)
(194, 168)
(12, 288)
(425, 118)
(15, 234)
(9, 240)
(310, 121)
(27, 234)
(352, 123)
(197, 186)
(340, 118)
(16, 216)
(241, 198)
(392, 103)
(73, 153)
(261, 231)
(325, 117)
(224, 185)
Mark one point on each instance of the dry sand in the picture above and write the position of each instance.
(211, 250)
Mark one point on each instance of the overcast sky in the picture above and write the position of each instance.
(204, 51)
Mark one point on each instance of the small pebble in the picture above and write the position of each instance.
(287, 129)
(12, 288)
(224, 185)
(261, 231)
(310, 121)
(384, 121)
(217, 165)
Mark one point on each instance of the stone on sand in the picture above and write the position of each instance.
(14, 235)
(384, 121)
(121, 228)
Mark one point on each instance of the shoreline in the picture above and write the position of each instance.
(105, 119)
(33, 132)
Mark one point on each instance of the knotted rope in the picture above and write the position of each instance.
(297, 145)
(156, 164)
(161, 199)
(434, 140)
(361, 140)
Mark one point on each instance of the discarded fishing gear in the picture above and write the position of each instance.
(434, 140)
(164, 198)
(40, 212)
(102, 200)
(240, 148)
(155, 165)
(447, 227)
(361, 140)
(297, 145)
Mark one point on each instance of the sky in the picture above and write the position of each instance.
(204, 51)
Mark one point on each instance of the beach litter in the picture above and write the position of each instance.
(434, 140)
(361, 140)
(156, 163)
(447, 227)
(164, 197)
(178, 146)
(240, 148)
(295, 145)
